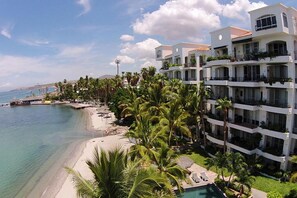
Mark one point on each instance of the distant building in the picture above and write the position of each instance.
(183, 61)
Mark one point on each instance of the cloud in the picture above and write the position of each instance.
(126, 60)
(5, 85)
(35, 43)
(239, 9)
(141, 53)
(75, 51)
(6, 32)
(86, 6)
(192, 19)
(126, 38)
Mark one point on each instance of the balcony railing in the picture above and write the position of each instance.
(246, 79)
(248, 101)
(217, 78)
(222, 95)
(219, 137)
(277, 151)
(277, 104)
(274, 127)
(246, 122)
(244, 143)
(216, 117)
(272, 80)
(190, 65)
(189, 79)
(244, 57)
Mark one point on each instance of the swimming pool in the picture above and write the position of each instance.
(208, 191)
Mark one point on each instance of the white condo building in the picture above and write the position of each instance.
(257, 70)
(183, 61)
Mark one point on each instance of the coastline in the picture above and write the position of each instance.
(99, 125)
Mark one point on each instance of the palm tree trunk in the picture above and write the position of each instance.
(225, 130)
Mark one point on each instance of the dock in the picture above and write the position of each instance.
(26, 101)
(79, 105)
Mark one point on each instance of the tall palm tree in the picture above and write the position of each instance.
(173, 119)
(135, 79)
(144, 73)
(223, 104)
(128, 77)
(114, 175)
(236, 164)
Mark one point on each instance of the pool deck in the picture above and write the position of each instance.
(211, 177)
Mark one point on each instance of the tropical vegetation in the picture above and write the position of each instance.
(165, 118)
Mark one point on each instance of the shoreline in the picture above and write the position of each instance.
(101, 127)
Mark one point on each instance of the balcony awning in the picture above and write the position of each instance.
(224, 46)
(242, 41)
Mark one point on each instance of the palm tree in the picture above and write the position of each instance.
(173, 119)
(114, 175)
(151, 71)
(135, 79)
(128, 77)
(132, 109)
(146, 137)
(236, 164)
(155, 98)
(144, 73)
(203, 93)
(220, 162)
(223, 104)
(244, 178)
(166, 164)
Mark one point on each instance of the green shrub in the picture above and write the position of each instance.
(292, 194)
(274, 194)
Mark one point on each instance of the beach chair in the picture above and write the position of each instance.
(195, 178)
(204, 176)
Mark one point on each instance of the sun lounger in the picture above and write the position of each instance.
(204, 176)
(195, 178)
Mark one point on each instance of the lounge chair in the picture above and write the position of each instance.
(204, 176)
(195, 178)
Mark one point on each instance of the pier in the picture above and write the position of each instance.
(26, 101)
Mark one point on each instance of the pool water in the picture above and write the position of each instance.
(208, 191)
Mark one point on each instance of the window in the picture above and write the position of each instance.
(266, 22)
(285, 20)
(159, 54)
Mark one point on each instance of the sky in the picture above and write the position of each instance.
(52, 40)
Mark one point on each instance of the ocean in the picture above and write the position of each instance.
(32, 137)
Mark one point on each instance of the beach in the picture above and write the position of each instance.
(100, 120)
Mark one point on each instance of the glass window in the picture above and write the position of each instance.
(285, 19)
(265, 22)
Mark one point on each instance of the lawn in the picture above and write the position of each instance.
(261, 183)
(266, 184)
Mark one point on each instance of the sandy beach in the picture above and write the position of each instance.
(102, 121)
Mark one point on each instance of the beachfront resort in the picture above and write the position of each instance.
(217, 120)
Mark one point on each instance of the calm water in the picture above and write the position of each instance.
(208, 191)
(29, 136)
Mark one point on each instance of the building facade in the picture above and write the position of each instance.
(257, 71)
(183, 61)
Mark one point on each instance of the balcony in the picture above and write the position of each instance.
(217, 80)
(214, 119)
(276, 107)
(244, 143)
(217, 139)
(187, 65)
(274, 127)
(245, 124)
(244, 57)
(271, 155)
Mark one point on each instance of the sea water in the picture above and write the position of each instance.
(29, 136)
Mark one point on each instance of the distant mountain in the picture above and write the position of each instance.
(106, 76)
